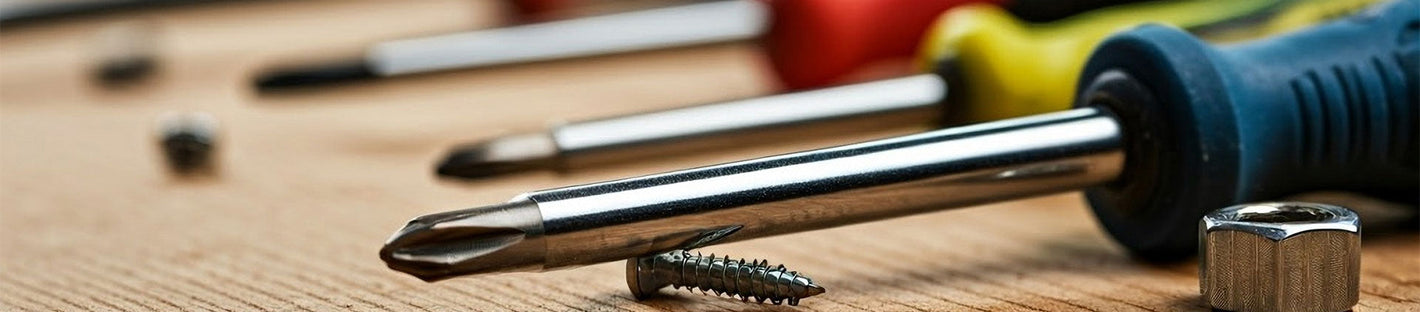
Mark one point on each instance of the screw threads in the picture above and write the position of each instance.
(738, 278)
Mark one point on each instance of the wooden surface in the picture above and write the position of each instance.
(311, 184)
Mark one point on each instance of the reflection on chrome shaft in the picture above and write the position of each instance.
(684, 25)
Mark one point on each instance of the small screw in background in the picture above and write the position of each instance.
(187, 141)
(753, 279)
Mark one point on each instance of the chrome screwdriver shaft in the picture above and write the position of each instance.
(701, 23)
(907, 101)
(789, 193)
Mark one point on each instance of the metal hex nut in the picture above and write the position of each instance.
(1283, 257)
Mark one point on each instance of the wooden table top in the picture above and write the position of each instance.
(310, 184)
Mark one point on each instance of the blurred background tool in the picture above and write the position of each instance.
(690, 24)
(993, 66)
(1167, 128)
(26, 12)
(127, 53)
(809, 42)
(676, 26)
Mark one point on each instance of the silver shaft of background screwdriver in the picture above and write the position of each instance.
(901, 102)
(701, 23)
(912, 100)
(789, 193)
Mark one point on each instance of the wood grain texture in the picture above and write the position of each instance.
(311, 184)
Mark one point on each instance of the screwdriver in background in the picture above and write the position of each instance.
(697, 23)
(808, 42)
(1166, 127)
(993, 63)
(24, 12)
(17, 13)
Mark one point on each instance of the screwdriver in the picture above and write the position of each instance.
(683, 25)
(696, 23)
(24, 12)
(993, 63)
(808, 42)
(1166, 127)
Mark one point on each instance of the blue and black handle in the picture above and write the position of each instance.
(1332, 107)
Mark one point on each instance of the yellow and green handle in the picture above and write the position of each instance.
(1000, 67)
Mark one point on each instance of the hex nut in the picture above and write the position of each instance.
(1283, 257)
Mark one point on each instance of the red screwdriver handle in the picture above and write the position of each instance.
(812, 43)
(533, 10)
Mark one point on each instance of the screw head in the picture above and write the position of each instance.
(640, 279)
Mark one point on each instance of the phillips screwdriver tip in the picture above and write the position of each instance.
(500, 155)
(325, 74)
(496, 238)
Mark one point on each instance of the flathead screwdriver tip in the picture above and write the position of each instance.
(501, 155)
(496, 238)
(324, 74)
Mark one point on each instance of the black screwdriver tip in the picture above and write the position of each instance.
(327, 74)
(500, 155)
(461, 163)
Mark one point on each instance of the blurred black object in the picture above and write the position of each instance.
(125, 54)
(188, 141)
(343, 72)
(28, 12)
(1039, 11)
(125, 69)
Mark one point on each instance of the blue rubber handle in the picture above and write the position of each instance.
(1330, 107)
